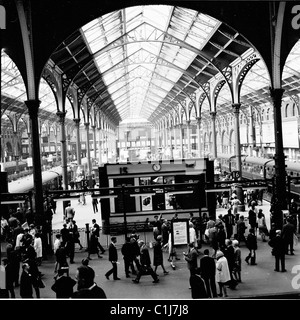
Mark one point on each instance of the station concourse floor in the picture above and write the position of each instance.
(258, 281)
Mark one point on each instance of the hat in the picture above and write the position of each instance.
(235, 242)
(219, 254)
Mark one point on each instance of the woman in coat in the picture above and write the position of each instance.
(158, 255)
(222, 273)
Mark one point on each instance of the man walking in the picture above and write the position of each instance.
(113, 258)
(145, 267)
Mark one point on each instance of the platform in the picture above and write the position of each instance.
(259, 281)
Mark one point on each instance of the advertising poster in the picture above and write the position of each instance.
(146, 203)
(180, 232)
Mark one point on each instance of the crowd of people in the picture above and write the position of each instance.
(211, 271)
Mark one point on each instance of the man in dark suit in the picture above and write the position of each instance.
(96, 231)
(287, 235)
(86, 287)
(278, 245)
(191, 258)
(229, 223)
(145, 264)
(208, 273)
(113, 258)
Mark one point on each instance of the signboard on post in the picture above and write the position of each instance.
(235, 175)
(180, 232)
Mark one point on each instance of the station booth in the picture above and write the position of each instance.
(138, 191)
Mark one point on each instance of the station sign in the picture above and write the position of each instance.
(154, 168)
(220, 186)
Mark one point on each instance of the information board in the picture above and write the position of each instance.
(180, 232)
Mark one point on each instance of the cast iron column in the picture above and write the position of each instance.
(280, 196)
(175, 139)
(88, 152)
(181, 140)
(213, 130)
(239, 190)
(63, 149)
(78, 145)
(100, 147)
(188, 133)
(94, 142)
(199, 135)
(33, 109)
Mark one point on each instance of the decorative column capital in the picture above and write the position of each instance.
(86, 124)
(276, 94)
(236, 107)
(198, 119)
(61, 115)
(77, 121)
(213, 115)
(188, 122)
(33, 108)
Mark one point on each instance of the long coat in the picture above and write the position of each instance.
(222, 270)
(26, 289)
(112, 253)
(145, 256)
(157, 254)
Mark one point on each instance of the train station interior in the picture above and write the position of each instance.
(167, 103)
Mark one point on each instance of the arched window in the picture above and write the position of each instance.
(267, 114)
(294, 110)
(286, 110)
(262, 115)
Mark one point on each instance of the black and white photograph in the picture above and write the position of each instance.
(154, 138)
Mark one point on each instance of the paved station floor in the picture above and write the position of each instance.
(258, 281)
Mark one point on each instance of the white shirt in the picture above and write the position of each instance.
(56, 245)
(18, 239)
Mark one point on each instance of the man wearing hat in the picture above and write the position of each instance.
(278, 245)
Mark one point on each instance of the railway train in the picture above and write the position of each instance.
(51, 181)
(11, 167)
(254, 168)
(51, 178)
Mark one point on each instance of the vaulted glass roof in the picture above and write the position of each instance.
(140, 63)
(135, 52)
